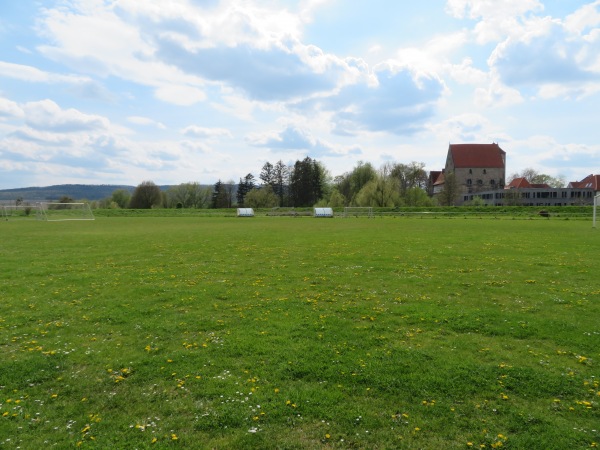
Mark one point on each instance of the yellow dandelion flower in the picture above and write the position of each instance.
(154, 439)
(174, 437)
(327, 436)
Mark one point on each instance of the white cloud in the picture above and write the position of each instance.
(146, 121)
(586, 18)
(496, 18)
(10, 109)
(180, 94)
(206, 133)
(32, 74)
(47, 115)
(549, 58)
(90, 39)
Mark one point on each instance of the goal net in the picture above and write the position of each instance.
(19, 212)
(54, 212)
(358, 211)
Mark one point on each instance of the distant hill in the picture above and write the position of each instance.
(53, 193)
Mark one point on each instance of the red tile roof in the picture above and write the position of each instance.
(523, 183)
(477, 155)
(519, 183)
(591, 181)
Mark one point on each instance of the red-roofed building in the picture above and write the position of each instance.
(591, 181)
(476, 167)
(522, 183)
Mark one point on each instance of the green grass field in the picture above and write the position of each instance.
(299, 333)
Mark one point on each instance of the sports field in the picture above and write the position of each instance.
(299, 333)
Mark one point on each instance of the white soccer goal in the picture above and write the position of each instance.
(54, 212)
(19, 212)
(358, 211)
(596, 203)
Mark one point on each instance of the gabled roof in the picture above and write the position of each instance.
(519, 183)
(433, 176)
(477, 155)
(591, 181)
(523, 183)
(441, 179)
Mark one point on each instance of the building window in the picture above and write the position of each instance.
(493, 183)
(484, 171)
(479, 182)
(469, 182)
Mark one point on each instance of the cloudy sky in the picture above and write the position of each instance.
(123, 91)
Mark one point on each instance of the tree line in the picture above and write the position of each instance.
(305, 183)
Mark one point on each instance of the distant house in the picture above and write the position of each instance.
(435, 182)
(521, 192)
(591, 182)
(476, 168)
(523, 183)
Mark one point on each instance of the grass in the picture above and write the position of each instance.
(299, 333)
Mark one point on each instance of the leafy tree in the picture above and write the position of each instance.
(245, 185)
(145, 196)
(380, 191)
(263, 197)
(121, 198)
(350, 183)
(534, 177)
(417, 196)
(449, 193)
(65, 199)
(336, 199)
(188, 195)
(409, 176)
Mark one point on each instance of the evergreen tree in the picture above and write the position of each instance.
(280, 181)
(244, 186)
(267, 174)
(306, 182)
(220, 197)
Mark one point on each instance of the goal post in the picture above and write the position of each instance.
(358, 211)
(55, 212)
(596, 203)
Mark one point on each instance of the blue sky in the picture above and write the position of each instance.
(123, 91)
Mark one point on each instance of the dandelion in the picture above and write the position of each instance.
(154, 439)
(174, 437)
(327, 436)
